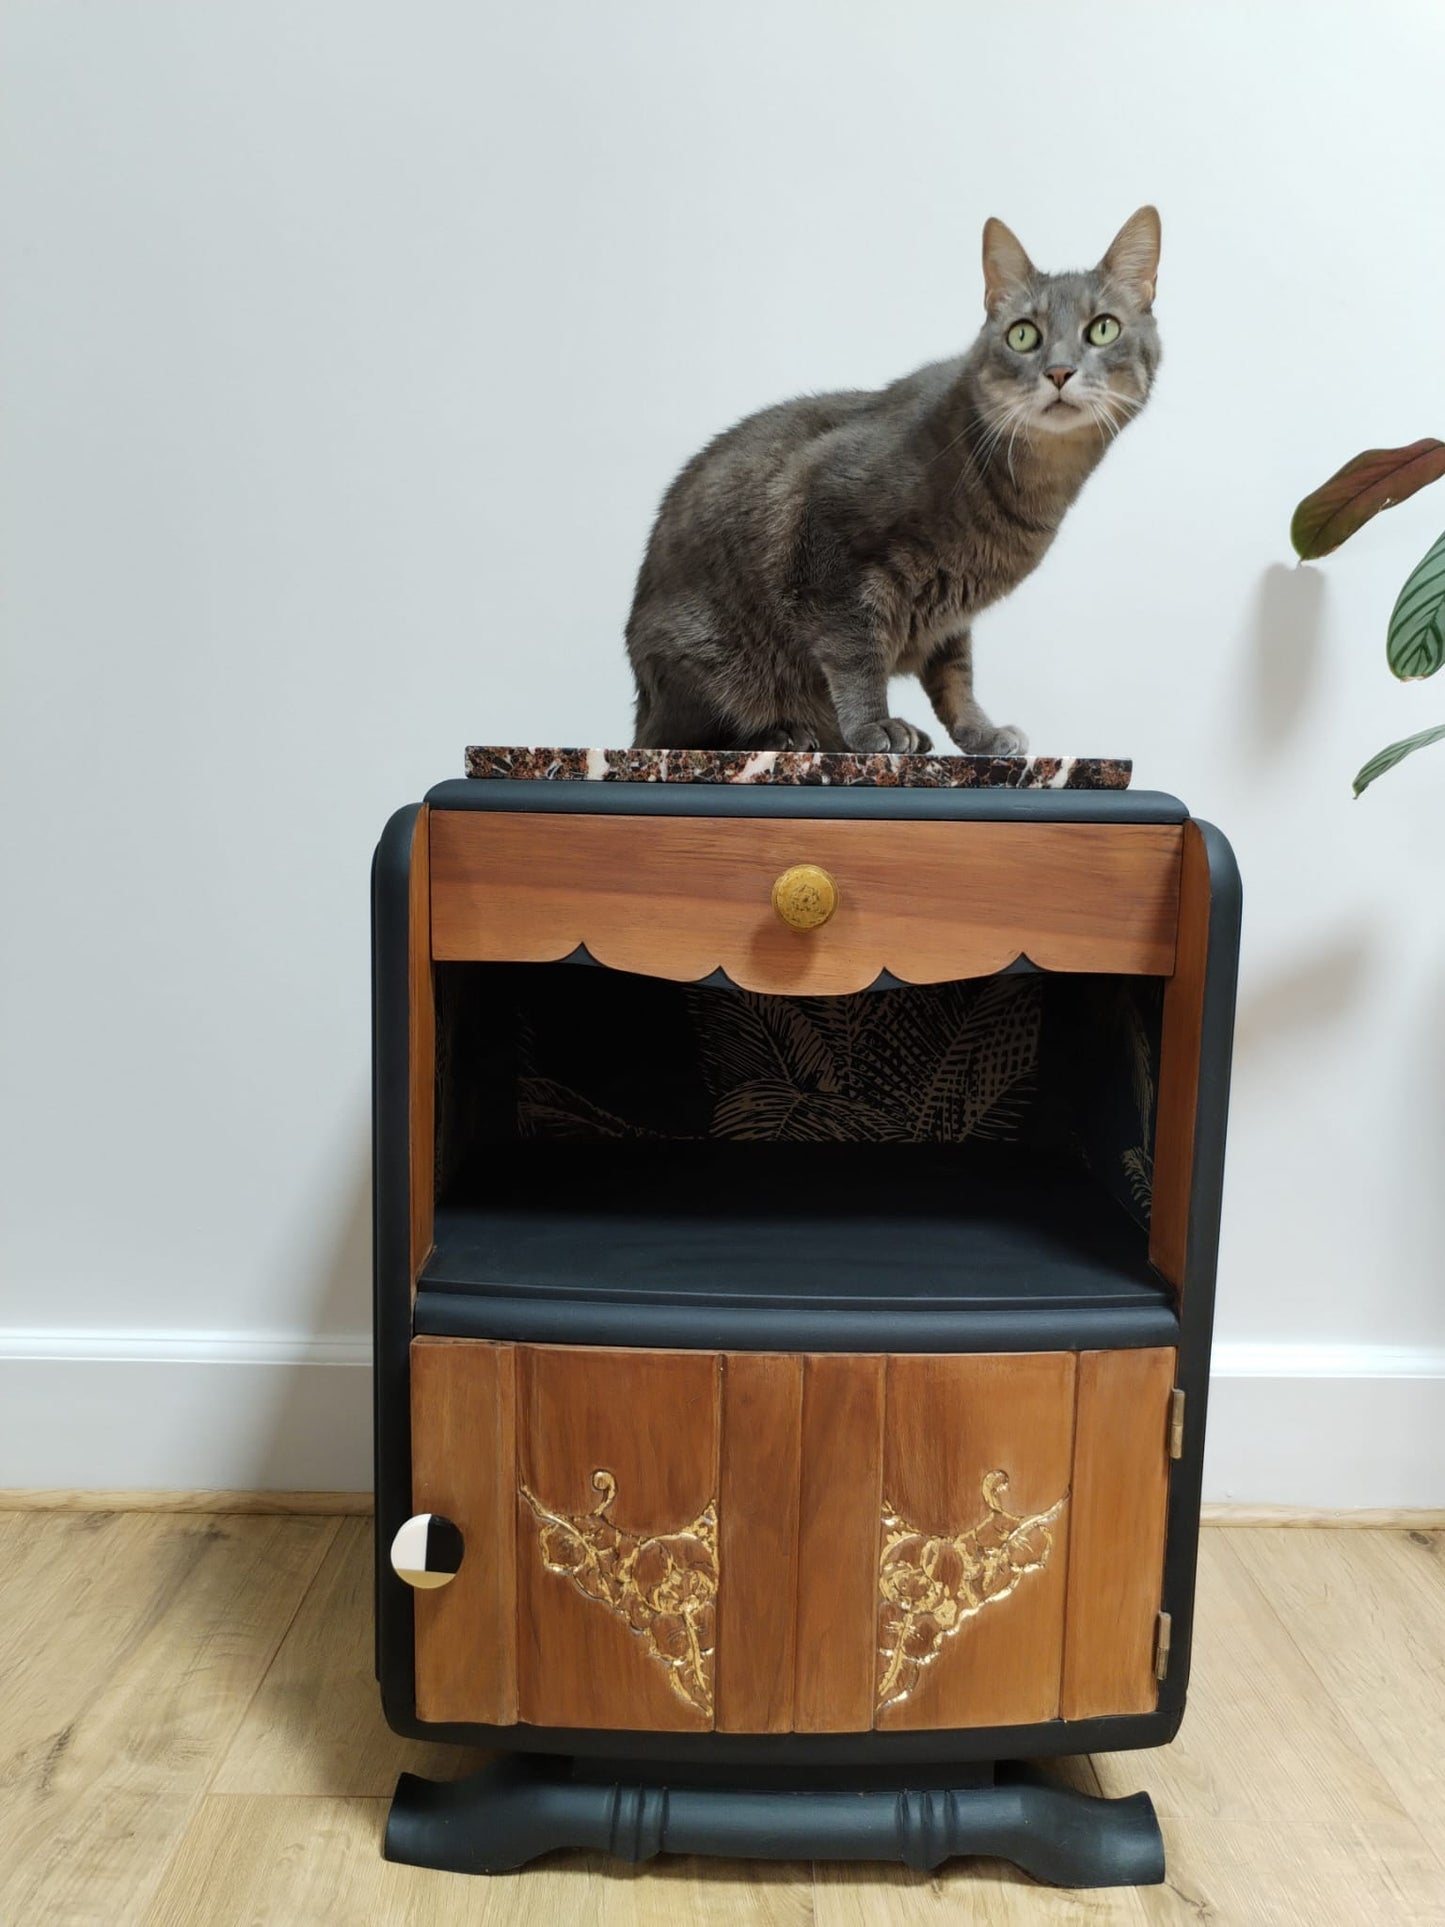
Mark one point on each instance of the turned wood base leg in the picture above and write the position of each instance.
(520, 1807)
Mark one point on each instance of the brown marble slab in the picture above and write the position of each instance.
(491, 762)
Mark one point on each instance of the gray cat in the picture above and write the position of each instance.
(822, 546)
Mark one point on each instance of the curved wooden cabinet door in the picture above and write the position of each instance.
(682, 897)
(764, 1543)
(976, 1514)
(617, 1538)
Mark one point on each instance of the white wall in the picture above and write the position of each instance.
(347, 347)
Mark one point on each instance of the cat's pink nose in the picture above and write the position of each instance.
(1058, 376)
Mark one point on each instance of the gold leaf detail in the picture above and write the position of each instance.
(663, 1586)
(930, 1585)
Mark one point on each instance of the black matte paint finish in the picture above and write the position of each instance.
(793, 1247)
(861, 801)
(427, 1824)
(518, 1808)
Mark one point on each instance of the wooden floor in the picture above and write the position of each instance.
(189, 1733)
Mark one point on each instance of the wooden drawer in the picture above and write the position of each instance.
(680, 897)
(767, 1542)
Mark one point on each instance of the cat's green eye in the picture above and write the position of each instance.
(1024, 337)
(1102, 330)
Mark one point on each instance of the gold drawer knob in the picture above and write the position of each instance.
(805, 897)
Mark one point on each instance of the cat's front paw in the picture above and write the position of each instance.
(889, 735)
(1004, 741)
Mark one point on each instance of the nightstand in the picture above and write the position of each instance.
(797, 1198)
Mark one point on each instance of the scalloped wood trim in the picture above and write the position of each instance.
(682, 897)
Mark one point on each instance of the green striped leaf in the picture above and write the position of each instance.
(1415, 643)
(1396, 753)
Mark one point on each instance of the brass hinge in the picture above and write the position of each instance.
(1163, 1629)
(1176, 1424)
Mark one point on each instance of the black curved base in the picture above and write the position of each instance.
(520, 1807)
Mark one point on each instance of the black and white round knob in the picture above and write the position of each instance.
(427, 1551)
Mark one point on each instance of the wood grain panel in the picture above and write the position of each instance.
(838, 1536)
(1179, 1058)
(463, 1425)
(679, 897)
(650, 1421)
(762, 1415)
(952, 1423)
(421, 1046)
(1116, 1559)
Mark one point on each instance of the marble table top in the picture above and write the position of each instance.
(490, 761)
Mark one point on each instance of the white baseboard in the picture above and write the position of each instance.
(1327, 1427)
(158, 1410)
(1334, 1427)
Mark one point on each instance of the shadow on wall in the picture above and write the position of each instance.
(316, 1435)
(1419, 1158)
(1283, 656)
(1319, 988)
(339, 1288)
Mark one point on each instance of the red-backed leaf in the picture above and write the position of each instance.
(1373, 481)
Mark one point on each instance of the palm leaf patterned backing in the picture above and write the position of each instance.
(936, 1064)
(1065, 1064)
(1100, 1078)
(929, 1064)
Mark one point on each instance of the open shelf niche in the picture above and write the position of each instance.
(972, 1159)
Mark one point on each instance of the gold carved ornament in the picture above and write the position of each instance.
(664, 1587)
(931, 1585)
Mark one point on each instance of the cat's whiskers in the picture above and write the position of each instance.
(1002, 423)
(1009, 416)
(991, 413)
(1110, 412)
(996, 418)
(967, 429)
(987, 431)
(1112, 398)
(1101, 416)
(1020, 423)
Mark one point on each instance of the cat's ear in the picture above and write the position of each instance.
(1133, 255)
(1005, 265)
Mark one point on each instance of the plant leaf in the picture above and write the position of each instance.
(548, 1109)
(1396, 753)
(1373, 481)
(1415, 641)
(772, 1110)
(744, 1036)
(985, 1068)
